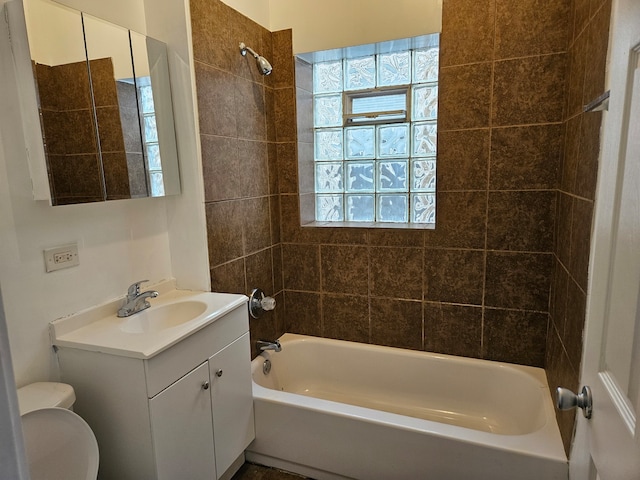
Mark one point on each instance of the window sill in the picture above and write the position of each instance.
(404, 226)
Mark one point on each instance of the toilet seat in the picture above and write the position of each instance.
(59, 445)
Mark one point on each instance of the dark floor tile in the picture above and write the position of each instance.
(251, 471)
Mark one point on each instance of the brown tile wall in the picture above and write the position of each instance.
(241, 150)
(478, 285)
(516, 174)
(588, 40)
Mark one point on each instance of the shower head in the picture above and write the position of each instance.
(264, 67)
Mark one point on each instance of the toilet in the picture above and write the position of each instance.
(58, 443)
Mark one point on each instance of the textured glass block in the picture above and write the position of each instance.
(329, 177)
(423, 208)
(327, 77)
(359, 176)
(423, 175)
(425, 102)
(425, 65)
(393, 208)
(392, 176)
(146, 99)
(327, 110)
(329, 208)
(394, 69)
(328, 144)
(150, 130)
(359, 142)
(424, 139)
(157, 184)
(153, 156)
(393, 140)
(360, 208)
(359, 73)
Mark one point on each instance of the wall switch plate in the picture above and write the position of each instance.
(61, 257)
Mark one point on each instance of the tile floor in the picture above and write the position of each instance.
(250, 471)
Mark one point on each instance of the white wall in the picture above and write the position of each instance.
(256, 10)
(341, 23)
(127, 13)
(186, 221)
(119, 241)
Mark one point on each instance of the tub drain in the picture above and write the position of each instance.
(266, 367)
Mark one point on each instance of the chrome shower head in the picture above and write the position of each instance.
(264, 67)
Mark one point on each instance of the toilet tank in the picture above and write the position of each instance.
(44, 395)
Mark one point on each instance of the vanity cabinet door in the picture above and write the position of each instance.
(232, 402)
(181, 428)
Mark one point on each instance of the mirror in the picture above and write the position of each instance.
(105, 106)
(151, 68)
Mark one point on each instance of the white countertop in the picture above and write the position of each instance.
(99, 329)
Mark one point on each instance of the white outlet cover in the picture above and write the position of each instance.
(67, 256)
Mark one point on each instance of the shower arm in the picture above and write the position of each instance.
(244, 49)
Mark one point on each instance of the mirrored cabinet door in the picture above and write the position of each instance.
(116, 108)
(66, 105)
(105, 107)
(151, 68)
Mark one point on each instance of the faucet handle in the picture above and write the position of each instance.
(134, 289)
(260, 303)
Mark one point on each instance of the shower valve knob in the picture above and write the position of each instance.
(260, 303)
(268, 303)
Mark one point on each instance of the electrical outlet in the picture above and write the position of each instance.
(61, 257)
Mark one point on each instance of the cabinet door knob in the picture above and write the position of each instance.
(219, 372)
(205, 386)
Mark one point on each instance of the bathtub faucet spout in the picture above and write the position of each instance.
(266, 345)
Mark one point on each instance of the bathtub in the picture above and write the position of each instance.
(331, 409)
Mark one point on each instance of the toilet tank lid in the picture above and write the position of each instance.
(45, 394)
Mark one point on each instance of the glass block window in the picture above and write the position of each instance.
(150, 137)
(375, 132)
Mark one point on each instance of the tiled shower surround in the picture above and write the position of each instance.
(515, 181)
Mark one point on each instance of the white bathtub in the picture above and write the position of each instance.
(332, 409)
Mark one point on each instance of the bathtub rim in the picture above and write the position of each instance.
(542, 443)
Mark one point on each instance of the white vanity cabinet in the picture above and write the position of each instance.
(186, 412)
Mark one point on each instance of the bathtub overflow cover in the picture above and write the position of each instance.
(266, 367)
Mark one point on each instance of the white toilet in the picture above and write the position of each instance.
(59, 444)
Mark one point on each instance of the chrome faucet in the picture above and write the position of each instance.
(136, 301)
(266, 345)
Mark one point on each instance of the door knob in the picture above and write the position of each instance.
(219, 372)
(566, 400)
(205, 386)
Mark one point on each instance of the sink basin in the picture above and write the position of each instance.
(163, 317)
